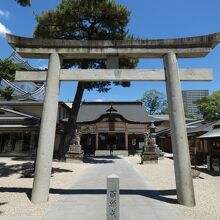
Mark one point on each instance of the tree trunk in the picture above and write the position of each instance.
(71, 126)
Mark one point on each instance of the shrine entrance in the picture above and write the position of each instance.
(117, 140)
(167, 49)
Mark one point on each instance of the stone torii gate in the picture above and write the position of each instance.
(167, 49)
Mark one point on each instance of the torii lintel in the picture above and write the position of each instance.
(187, 47)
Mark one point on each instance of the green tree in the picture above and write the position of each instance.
(191, 115)
(165, 110)
(6, 93)
(7, 71)
(154, 101)
(209, 106)
(85, 20)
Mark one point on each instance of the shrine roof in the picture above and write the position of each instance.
(204, 127)
(130, 112)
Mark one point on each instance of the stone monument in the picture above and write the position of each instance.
(112, 206)
(75, 153)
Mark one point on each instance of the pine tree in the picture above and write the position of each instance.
(85, 20)
(24, 3)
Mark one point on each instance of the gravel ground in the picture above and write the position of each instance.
(207, 188)
(14, 189)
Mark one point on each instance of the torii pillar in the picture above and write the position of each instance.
(43, 166)
(181, 157)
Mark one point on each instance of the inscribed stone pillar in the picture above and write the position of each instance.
(182, 165)
(112, 206)
(41, 185)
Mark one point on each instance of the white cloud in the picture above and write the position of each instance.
(4, 13)
(99, 100)
(4, 30)
(40, 64)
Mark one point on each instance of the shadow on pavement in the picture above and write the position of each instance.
(211, 173)
(23, 158)
(26, 169)
(100, 159)
(153, 194)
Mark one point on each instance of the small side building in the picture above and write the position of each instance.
(212, 139)
(163, 131)
(204, 142)
(20, 117)
(20, 126)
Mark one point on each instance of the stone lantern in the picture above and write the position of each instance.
(153, 135)
(149, 154)
(153, 140)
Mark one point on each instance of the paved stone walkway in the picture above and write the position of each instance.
(86, 200)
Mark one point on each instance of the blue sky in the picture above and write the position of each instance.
(149, 20)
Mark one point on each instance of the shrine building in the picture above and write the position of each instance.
(124, 123)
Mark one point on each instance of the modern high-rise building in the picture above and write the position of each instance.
(189, 96)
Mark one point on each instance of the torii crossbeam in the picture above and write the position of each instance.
(167, 49)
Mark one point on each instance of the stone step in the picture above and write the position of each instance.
(107, 152)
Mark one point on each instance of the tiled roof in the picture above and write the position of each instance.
(191, 126)
(130, 111)
(203, 127)
(211, 134)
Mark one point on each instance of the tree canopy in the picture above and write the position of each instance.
(209, 106)
(85, 20)
(24, 3)
(7, 69)
(154, 102)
